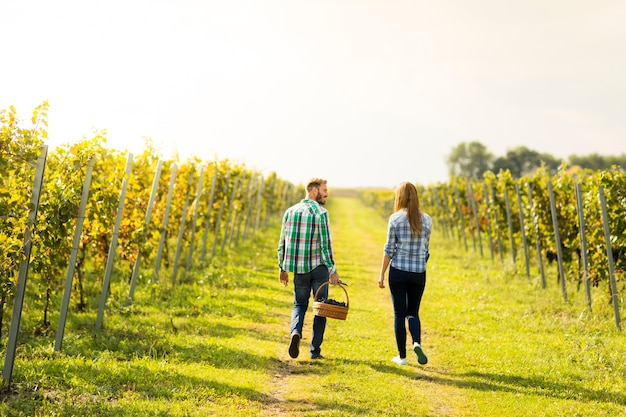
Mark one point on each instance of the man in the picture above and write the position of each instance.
(305, 249)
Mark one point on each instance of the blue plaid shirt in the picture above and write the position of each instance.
(406, 252)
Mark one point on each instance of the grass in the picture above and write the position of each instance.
(498, 344)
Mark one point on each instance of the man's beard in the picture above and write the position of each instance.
(319, 200)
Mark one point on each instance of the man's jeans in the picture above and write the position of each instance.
(305, 285)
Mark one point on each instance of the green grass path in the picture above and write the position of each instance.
(498, 344)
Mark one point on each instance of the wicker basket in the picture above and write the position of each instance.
(330, 310)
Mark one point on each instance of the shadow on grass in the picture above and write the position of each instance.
(317, 407)
(205, 350)
(113, 379)
(531, 386)
(254, 307)
(538, 386)
(140, 382)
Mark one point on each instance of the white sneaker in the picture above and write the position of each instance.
(421, 356)
(398, 360)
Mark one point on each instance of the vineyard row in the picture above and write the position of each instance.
(104, 219)
(576, 218)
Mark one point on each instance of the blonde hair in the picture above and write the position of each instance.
(407, 199)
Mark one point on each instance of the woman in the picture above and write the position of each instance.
(406, 254)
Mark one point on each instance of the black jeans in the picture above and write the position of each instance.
(406, 290)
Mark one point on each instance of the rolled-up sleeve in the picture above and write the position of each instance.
(392, 240)
(281, 245)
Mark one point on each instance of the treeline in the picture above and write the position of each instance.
(139, 217)
(574, 217)
(473, 160)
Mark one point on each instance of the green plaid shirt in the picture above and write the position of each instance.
(305, 239)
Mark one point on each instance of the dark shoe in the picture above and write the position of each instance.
(294, 347)
(317, 356)
(421, 356)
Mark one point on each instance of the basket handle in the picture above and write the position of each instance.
(342, 287)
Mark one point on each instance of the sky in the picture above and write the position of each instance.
(364, 93)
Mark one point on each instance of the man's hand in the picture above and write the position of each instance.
(334, 278)
(284, 277)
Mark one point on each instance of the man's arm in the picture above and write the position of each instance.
(281, 243)
(327, 249)
(283, 276)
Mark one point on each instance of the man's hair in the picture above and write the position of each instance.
(314, 183)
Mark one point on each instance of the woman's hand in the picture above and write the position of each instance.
(381, 281)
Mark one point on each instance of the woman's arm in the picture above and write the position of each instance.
(383, 269)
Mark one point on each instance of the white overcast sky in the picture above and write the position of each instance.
(361, 92)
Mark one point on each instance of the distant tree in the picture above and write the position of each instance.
(594, 161)
(598, 162)
(550, 162)
(620, 161)
(470, 160)
(519, 161)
